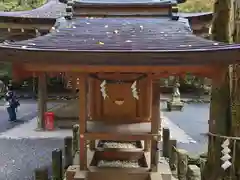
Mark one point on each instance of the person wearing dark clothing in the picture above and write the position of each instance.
(12, 104)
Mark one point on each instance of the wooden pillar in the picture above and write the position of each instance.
(91, 108)
(83, 120)
(148, 101)
(155, 124)
(42, 96)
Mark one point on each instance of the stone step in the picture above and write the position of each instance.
(71, 171)
(65, 123)
(117, 175)
(163, 173)
(80, 175)
(164, 169)
(173, 178)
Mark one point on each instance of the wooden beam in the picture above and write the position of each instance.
(25, 26)
(122, 11)
(147, 144)
(83, 120)
(155, 124)
(159, 70)
(117, 137)
(42, 106)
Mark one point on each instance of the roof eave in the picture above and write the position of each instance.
(123, 58)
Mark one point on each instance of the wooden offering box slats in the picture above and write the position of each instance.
(136, 146)
(110, 156)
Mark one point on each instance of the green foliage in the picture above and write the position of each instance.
(20, 5)
(6, 69)
(197, 6)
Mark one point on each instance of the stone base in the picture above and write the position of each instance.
(73, 173)
(178, 105)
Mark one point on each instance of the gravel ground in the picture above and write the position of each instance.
(194, 121)
(19, 158)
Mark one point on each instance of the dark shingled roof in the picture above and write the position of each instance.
(120, 34)
(119, 40)
(125, 3)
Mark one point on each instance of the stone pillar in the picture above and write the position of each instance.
(193, 173)
(75, 139)
(173, 157)
(182, 164)
(166, 141)
(42, 97)
(155, 123)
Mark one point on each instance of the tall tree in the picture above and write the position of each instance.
(220, 101)
(235, 94)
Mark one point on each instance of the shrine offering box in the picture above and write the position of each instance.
(121, 104)
(117, 160)
(133, 146)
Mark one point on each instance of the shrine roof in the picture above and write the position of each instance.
(119, 34)
(125, 3)
(157, 40)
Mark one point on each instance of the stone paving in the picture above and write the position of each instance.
(176, 132)
(19, 158)
(189, 126)
(22, 149)
(28, 131)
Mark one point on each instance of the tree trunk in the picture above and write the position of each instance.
(235, 94)
(222, 27)
(219, 117)
(220, 101)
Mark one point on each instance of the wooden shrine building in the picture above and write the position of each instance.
(119, 51)
(18, 26)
